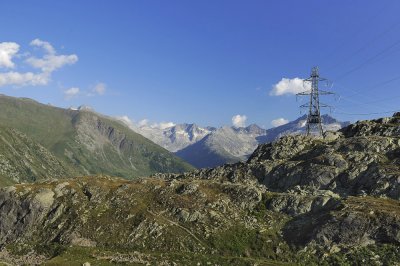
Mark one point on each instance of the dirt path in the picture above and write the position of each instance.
(180, 226)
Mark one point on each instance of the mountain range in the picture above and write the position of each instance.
(210, 146)
(40, 141)
(299, 200)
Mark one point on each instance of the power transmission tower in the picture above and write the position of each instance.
(314, 121)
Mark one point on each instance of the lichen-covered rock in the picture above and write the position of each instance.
(354, 222)
(299, 203)
(44, 198)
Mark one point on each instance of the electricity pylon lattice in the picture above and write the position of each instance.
(314, 121)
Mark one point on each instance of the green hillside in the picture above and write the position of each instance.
(23, 160)
(86, 142)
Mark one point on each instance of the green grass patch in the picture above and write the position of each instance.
(79, 255)
(76, 256)
(239, 241)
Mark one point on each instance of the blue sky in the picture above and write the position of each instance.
(201, 61)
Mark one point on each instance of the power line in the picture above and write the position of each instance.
(362, 94)
(356, 32)
(358, 103)
(314, 106)
(377, 85)
(369, 60)
(393, 26)
(347, 98)
(378, 101)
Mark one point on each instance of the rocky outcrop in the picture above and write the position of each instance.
(155, 214)
(296, 203)
(298, 200)
(356, 222)
(189, 216)
(361, 159)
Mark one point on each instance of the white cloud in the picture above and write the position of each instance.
(143, 122)
(289, 86)
(45, 45)
(239, 120)
(7, 51)
(70, 93)
(23, 79)
(279, 122)
(163, 125)
(126, 120)
(46, 64)
(50, 61)
(99, 89)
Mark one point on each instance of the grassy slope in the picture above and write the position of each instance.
(23, 160)
(55, 128)
(44, 123)
(5, 181)
(76, 256)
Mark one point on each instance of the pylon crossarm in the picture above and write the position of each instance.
(322, 92)
(321, 105)
(303, 93)
(311, 79)
(324, 105)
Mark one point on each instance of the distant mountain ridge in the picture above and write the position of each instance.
(176, 137)
(210, 147)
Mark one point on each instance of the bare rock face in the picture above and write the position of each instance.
(23, 209)
(295, 203)
(44, 198)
